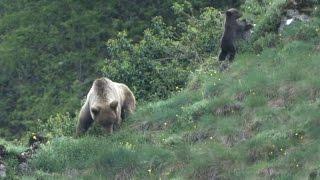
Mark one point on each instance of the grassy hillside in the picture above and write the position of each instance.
(51, 50)
(258, 119)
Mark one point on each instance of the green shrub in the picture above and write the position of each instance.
(267, 16)
(203, 33)
(161, 62)
(304, 31)
(270, 20)
(150, 68)
(268, 41)
(51, 51)
(56, 126)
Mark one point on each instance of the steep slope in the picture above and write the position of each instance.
(52, 50)
(258, 119)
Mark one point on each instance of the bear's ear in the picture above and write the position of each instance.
(95, 110)
(114, 105)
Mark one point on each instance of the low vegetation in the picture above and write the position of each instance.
(259, 118)
(256, 119)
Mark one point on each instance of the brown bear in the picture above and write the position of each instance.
(233, 29)
(107, 104)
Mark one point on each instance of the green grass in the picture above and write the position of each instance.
(274, 135)
(259, 119)
(10, 160)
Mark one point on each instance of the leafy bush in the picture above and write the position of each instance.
(152, 68)
(51, 52)
(203, 34)
(271, 19)
(161, 62)
(267, 16)
(57, 125)
(303, 31)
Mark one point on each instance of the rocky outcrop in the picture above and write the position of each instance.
(291, 16)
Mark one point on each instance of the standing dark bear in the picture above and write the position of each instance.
(107, 104)
(233, 29)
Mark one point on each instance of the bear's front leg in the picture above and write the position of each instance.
(85, 120)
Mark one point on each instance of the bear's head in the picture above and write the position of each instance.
(233, 14)
(105, 114)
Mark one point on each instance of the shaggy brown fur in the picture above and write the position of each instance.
(107, 104)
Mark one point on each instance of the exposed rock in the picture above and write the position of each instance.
(291, 13)
(291, 16)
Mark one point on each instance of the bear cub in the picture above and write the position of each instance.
(233, 29)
